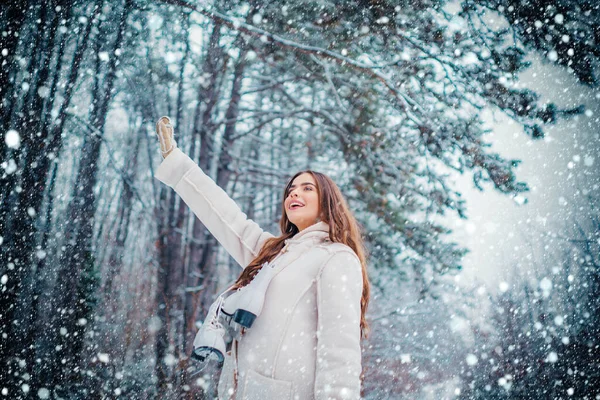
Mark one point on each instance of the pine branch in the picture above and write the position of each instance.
(404, 101)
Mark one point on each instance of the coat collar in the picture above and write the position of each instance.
(318, 231)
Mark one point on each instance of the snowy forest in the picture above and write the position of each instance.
(105, 275)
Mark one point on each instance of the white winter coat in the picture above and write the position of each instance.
(306, 342)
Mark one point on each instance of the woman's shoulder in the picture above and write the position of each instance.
(335, 248)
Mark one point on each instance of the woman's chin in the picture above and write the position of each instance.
(302, 223)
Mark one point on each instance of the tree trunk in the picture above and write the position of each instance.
(12, 17)
(76, 293)
(204, 128)
(18, 225)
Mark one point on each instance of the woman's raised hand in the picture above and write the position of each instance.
(165, 133)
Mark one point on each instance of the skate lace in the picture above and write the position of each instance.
(215, 321)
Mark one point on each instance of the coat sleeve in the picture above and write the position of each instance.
(240, 236)
(339, 291)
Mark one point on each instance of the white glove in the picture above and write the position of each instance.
(165, 133)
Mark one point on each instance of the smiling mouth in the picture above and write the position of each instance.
(295, 206)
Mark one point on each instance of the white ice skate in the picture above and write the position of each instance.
(245, 304)
(209, 343)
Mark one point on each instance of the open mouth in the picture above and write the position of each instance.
(295, 205)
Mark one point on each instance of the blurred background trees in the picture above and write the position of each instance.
(104, 272)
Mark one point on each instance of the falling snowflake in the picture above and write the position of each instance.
(471, 359)
(552, 357)
(12, 139)
(103, 357)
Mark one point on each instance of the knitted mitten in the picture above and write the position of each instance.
(164, 131)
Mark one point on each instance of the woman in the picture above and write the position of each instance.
(305, 344)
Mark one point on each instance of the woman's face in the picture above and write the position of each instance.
(302, 201)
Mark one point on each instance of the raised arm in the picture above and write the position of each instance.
(240, 236)
(339, 291)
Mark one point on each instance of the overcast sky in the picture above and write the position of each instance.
(499, 229)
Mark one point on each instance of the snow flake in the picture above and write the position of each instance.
(471, 359)
(4, 391)
(383, 20)
(118, 391)
(31, 211)
(552, 55)
(170, 359)
(589, 113)
(555, 270)
(565, 340)
(503, 287)
(4, 52)
(546, 286)
(552, 357)
(4, 279)
(25, 388)
(257, 19)
(170, 57)
(103, 56)
(570, 391)
(203, 383)
(43, 92)
(9, 167)
(12, 139)
(588, 161)
(40, 254)
(505, 381)
(104, 358)
(154, 324)
(538, 24)
(405, 358)
(470, 58)
(559, 18)
(558, 320)
(520, 200)
(43, 393)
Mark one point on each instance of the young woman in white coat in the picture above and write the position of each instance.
(305, 344)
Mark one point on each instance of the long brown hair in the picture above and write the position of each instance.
(343, 228)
